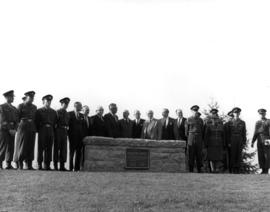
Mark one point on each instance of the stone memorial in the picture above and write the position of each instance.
(125, 154)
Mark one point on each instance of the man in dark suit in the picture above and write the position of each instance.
(166, 126)
(179, 126)
(111, 120)
(76, 135)
(87, 121)
(99, 127)
(137, 125)
(125, 126)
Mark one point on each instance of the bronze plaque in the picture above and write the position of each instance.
(137, 159)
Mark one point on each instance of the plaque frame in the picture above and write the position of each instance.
(137, 168)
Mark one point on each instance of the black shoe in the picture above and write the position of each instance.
(20, 165)
(29, 165)
(47, 168)
(39, 167)
(55, 166)
(30, 168)
(62, 167)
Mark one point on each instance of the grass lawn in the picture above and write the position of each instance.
(132, 191)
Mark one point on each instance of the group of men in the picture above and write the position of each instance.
(55, 128)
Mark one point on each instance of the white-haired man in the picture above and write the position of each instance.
(149, 130)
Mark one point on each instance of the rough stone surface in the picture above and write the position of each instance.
(109, 154)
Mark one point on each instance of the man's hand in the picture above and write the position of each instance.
(12, 132)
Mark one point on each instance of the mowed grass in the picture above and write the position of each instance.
(132, 191)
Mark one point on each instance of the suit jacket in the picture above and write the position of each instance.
(149, 130)
(112, 125)
(166, 132)
(125, 128)
(76, 127)
(137, 128)
(99, 127)
(87, 126)
(179, 130)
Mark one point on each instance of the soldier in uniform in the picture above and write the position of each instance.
(61, 133)
(8, 127)
(45, 123)
(194, 133)
(262, 135)
(226, 159)
(214, 138)
(236, 139)
(25, 141)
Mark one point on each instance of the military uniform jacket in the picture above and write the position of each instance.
(236, 128)
(62, 120)
(8, 117)
(45, 116)
(194, 125)
(27, 115)
(214, 134)
(262, 130)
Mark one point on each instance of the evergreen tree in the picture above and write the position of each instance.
(247, 164)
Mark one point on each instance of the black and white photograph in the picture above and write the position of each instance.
(134, 105)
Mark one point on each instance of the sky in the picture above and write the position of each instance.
(140, 54)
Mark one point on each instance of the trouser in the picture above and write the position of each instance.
(60, 146)
(25, 146)
(75, 151)
(263, 155)
(6, 146)
(236, 152)
(195, 151)
(45, 143)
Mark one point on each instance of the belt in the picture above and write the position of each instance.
(47, 125)
(29, 120)
(195, 133)
(63, 127)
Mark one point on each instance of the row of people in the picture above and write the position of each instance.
(54, 127)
